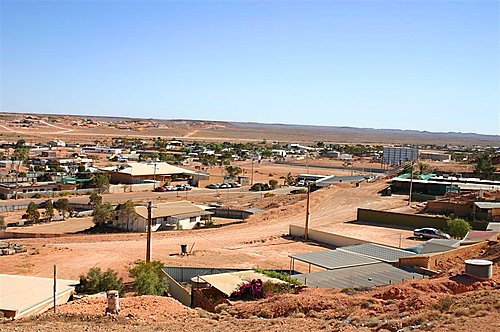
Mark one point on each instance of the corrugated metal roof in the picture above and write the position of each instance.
(487, 205)
(325, 182)
(170, 209)
(439, 245)
(493, 226)
(378, 251)
(357, 276)
(334, 259)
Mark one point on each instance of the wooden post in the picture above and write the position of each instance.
(148, 241)
(306, 231)
(55, 287)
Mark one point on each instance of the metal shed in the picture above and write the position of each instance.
(331, 259)
(357, 276)
(378, 251)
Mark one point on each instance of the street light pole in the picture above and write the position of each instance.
(148, 240)
(411, 183)
(251, 176)
(154, 176)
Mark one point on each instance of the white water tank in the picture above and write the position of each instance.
(479, 268)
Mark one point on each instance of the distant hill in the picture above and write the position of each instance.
(193, 130)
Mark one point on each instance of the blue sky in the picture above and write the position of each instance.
(424, 65)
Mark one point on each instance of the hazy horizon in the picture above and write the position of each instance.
(250, 122)
(419, 65)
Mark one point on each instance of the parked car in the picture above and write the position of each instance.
(212, 186)
(235, 184)
(160, 189)
(430, 233)
(225, 186)
(170, 188)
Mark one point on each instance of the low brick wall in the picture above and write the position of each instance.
(20, 235)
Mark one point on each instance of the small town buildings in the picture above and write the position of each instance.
(10, 164)
(164, 216)
(279, 153)
(435, 156)
(332, 154)
(56, 143)
(28, 189)
(100, 149)
(135, 172)
(489, 211)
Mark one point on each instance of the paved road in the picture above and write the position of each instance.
(147, 195)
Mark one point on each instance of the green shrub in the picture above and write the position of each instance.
(444, 304)
(278, 275)
(97, 281)
(269, 195)
(148, 278)
(458, 228)
(270, 288)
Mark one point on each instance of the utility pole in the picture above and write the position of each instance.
(55, 288)
(411, 183)
(306, 231)
(251, 176)
(148, 241)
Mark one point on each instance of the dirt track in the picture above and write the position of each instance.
(258, 242)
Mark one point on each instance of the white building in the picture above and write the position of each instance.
(279, 153)
(164, 216)
(398, 155)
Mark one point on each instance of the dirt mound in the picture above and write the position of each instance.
(307, 302)
(141, 307)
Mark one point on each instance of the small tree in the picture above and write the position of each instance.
(62, 205)
(233, 171)
(96, 281)
(103, 214)
(95, 199)
(484, 166)
(126, 211)
(100, 180)
(290, 180)
(49, 210)
(458, 228)
(148, 278)
(273, 184)
(32, 212)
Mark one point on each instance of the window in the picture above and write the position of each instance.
(192, 219)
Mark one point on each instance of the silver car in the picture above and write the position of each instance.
(430, 233)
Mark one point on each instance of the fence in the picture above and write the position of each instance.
(409, 220)
(177, 274)
(128, 188)
(325, 237)
(400, 219)
(11, 208)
